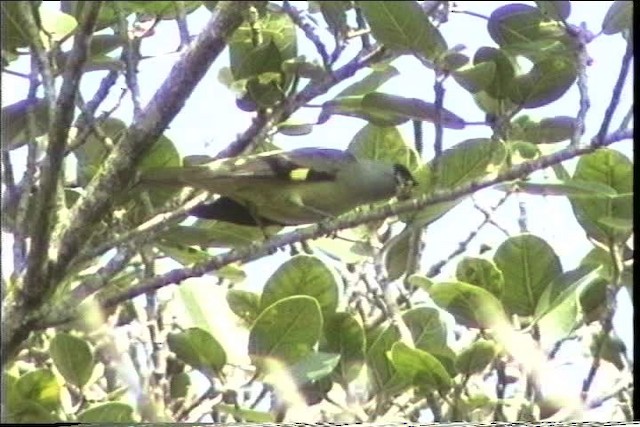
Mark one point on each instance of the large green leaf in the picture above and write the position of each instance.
(244, 304)
(528, 264)
(344, 335)
(378, 76)
(429, 333)
(613, 169)
(470, 305)
(422, 368)
(72, 357)
(286, 330)
(547, 81)
(383, 377)
(503, 74)
(198, 348)
(403, 26)
(475, 358)
(302, 275)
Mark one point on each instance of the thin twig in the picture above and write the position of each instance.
(308, 30)
(617, 90)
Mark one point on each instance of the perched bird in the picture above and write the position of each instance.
(300, 186)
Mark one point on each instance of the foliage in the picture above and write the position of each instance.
(90, 333)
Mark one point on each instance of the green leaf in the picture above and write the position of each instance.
(547, 81)
(618, 17)
(470, 305)
(244, 304)
(573, 188)
(429, 333)
(593, 300)
(179, 385)
(13, 27)
(528, 264)
(477, 77)
(383, 377)
(481, 272)
(41, 387)
(344, 335)
(73, 358)
(335, 15)
(424, 370)
(215, 234)
(371, 82)
(112, 412)
(611, 168)
(467, 161)
(56, 24)
(411, 108)
(503, 74)
(286, 330)
(403, 26)
(248, 415)
(558, 9)
(612, 349)
(198, 348)
(475, 358)
(352, 107)
(94, 150)
(25, 118)
(278, 34)
(291, 128)
(547, 131)
(302, 275)
(313, 367)
(159, 9)
(101, 44)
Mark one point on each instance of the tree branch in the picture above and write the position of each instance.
(66, 308)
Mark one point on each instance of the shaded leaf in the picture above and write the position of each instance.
(547, 81)
(244, 304)
(475, 358)
(558, 9)
(481, 272)
(424, 370)
(477, 77)
(378, 76)
(198, 348)
(344, 335)
(28, 117)
(40, 387)
(383, 377)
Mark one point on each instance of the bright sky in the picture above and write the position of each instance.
(210, 121)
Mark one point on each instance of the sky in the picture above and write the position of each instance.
(207, 124)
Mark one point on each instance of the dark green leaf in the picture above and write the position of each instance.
(503, 74)
(26, 118)
(424, 370)
(528, 264)
(244, 304)
(383, 377)
(344, 335)
(475, 358)
(611, 168)
(593, 300)
(411, 108)
(41, 387)
(481, 272)
(302, 275)
(313, 367)
(475, 78)
(198, 348)
(179, 385)
(286, 330)
(73, 358)
(470, 305)
(112, 412)
(404, 27)
(547, 81)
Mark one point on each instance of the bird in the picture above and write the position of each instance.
(286, 188)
